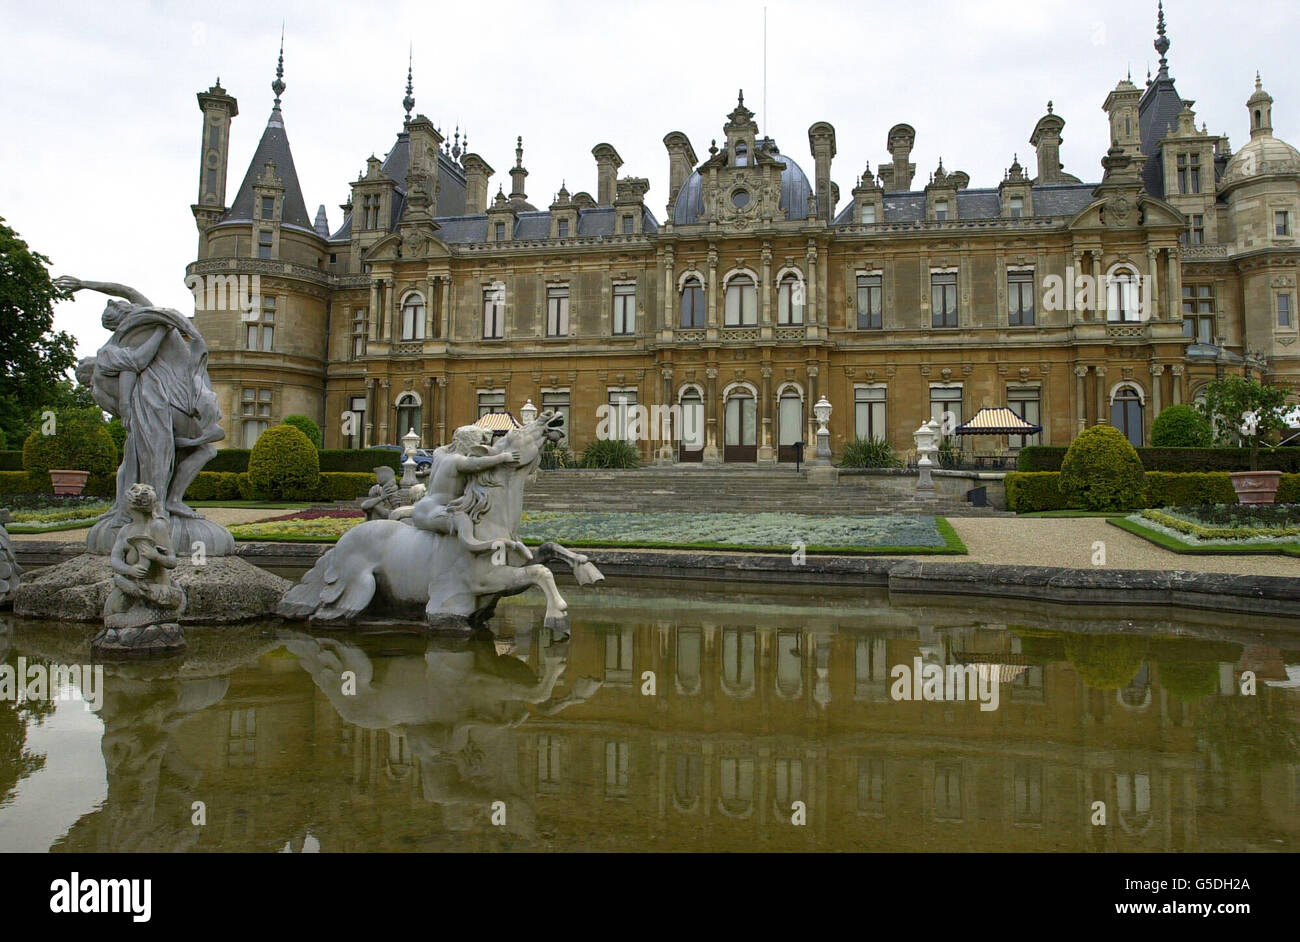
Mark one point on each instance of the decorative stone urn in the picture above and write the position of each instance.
(68, 483)
(1254, 487)
(927, 446)
(822, 413)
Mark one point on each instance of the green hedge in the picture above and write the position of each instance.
(16, 482)
(224, 485)
(1049, 458)
(344, 485)
(214, 485)
(1032, 491)
(11, 461)
(360, 461)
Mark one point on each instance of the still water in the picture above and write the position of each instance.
(701, 720)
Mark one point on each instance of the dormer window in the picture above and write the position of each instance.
(941, 210)
(868, 214)
(742, 154)
(499, 232)
(628, 224)
(1016, 206)
(562, 229)
(268, 207)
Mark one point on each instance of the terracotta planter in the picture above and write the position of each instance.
(1256, 487)
(70, 483)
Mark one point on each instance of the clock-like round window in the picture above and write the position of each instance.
(740, 199)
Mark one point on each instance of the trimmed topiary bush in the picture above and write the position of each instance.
(245, 485)
(869, 453)
(284, 465)
(1181, 426)
(1101, 471)
(1169, 489)
(1288, 490)
(309, 428)
(1033, 491)
(11, 461)
(611, 454)
(344, 485)
(80, 442)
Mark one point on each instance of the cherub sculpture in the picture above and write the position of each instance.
(141, 609)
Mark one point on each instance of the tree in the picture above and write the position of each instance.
(34, 357)
(1243, 408)
(1181, 426)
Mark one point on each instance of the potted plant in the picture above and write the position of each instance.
(67, 482)
(68, 449)
(1239, 407)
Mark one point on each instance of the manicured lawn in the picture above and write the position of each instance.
(777, 533)
(1176, 545)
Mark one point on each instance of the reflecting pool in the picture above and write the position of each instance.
(701, 719)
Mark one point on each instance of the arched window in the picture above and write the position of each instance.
(1123, 297)
(413, 316)
(693, 310)
(742, 154)
(408, 416)
(742, 302)
(789, 308)
(1126, 410)
(691, 433)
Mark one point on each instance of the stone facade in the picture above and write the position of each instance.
(760, 292)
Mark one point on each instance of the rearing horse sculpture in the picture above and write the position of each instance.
(397, 565)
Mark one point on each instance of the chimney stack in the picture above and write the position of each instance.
(607, 163)
(477, 174)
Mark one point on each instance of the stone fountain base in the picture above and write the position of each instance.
(224, 590)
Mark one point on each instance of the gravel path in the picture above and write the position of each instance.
(1068, 542)
(222, 515)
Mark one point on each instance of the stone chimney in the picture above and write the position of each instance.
(1046, 140)
(681, 162)
(821, 138)
(477, 174)
(899, 177)
(607, 163)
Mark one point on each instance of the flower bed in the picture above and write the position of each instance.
(1228, 523)
(46, 514)
(773, 531)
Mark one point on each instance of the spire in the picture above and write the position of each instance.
(278, 85)
(519, 151)
(1162, 41)
(518, 174)
(409, 101)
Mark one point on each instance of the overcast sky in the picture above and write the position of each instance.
(100, 129)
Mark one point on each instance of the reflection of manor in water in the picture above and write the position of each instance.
(747, 720)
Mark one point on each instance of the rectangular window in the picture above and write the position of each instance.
(624, 309)
(622, 415)
(1025, 402)
(358, 333)
(265, 240)
(943, 299)
(1182, 173)
(562, 229)
(491, 400)
(499, 232)
(869, 413)
(557, 401)
(1016, 206)
(548, 762)
(1284, 310)
(1282, 222)
(616, 768)
(1020, 298)
(619, 655)
(268, 207)
(945, 406)
(255, 409)
(628, 224)
(494, 308)
(941, 210)
(259, 327)
(557, 311)
(693, 311)
(354, 425)
(1196, 229)
(1196, 173)
(1198, 313)
(869, 214)
(870, 290)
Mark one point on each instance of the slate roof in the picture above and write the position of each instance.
(599, 221)
(1157, 110)
(274, 145)
(1052, 199)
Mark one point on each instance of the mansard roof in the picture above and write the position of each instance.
(1050, 199)
(1157, 112)
(529, 226)
(274, 146)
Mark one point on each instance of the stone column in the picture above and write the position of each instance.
(372, 403)
(375, 299)
(389, 307)
(765, 288)
(1080, 398)
(426, 414)
(669, 282)
(1157, 380)
(766, 451)
(442, 410)
(428, 307)
(810, 423)
(812, 314)
(713, 411)
(666, 449)
(712, 289)
(1153, 269)
(1071, 274)
(1103, 405)
(1099, 292)
(1177, 371)
(445, 313)
(1175, 285)
(385, 407)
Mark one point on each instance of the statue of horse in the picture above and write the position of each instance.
(398, 565)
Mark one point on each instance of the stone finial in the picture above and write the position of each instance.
(278, 85)
(409, 101)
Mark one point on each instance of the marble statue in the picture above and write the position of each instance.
(153, 375)
(386, 496)
(141, 609)
(10, 571)
(459, 551)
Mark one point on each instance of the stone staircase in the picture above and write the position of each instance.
(731, 490)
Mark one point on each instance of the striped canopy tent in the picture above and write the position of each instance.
(996, 421)
(498, 423)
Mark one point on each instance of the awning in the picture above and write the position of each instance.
(998, 421)
(497, 422)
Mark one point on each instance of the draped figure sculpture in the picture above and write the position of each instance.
(153, 375)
